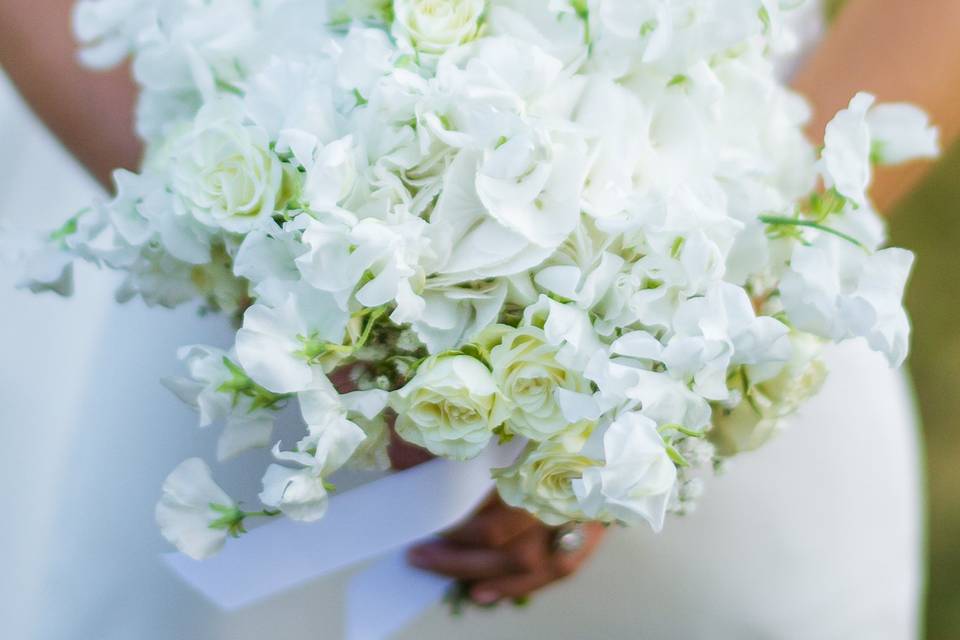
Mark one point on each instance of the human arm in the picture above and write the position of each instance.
(901, 51)
(91, 112)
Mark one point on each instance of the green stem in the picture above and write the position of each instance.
(795, 222)
(266, 513)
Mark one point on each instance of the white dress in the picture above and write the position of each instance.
(817, 536)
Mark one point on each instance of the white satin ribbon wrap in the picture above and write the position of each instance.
(382, 517)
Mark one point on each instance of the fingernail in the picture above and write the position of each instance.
(484, 596)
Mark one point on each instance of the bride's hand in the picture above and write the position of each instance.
(502, 552)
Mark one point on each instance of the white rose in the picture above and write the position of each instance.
(451, 407)
(225, 174)
(541, 481)
(635, 482)
(190, 504)
(433, 26)
(526, 370)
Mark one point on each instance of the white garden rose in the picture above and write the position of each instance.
(526, 370)
(433, 26)
(225, 173)
(542, 480)
(190, 503)
(451, 407)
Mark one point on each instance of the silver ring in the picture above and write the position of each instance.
(569, 538)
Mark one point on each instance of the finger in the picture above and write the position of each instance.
(464, 563)
(544, 567)
(565, 564)
(520, 585)
(494, 526)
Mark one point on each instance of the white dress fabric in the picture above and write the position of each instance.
(817, 536)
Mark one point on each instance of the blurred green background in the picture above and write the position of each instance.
(929, 224)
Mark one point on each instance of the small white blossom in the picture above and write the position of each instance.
(191, 502)
(637, 476)
(836, 290)
(900, 133)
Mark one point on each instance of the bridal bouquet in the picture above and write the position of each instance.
(592, 226)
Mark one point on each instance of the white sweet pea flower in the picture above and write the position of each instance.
(108, 29)
(635, 481)
(846, 151)
(387, 254)
(225, 173)
(900, 133)
(220, 391)
(331, 171)
(836, 290)
(190, 46)
(279, 345)
(455, 315)
(652, 289)
(451, 407)
(190, 504)
(46, 260)
(293, 100)
(334, 437)
(567, 328)
(433, 26)
(711, 334)
(302, 494)
(542, 482)
(628, 381)
(140, 213)
(583, 269)
(551, 26)
(269, 254)
(365, 56)
(528, 374)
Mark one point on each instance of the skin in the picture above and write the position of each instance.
(901, 50)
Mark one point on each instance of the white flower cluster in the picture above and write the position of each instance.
(595, 225)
